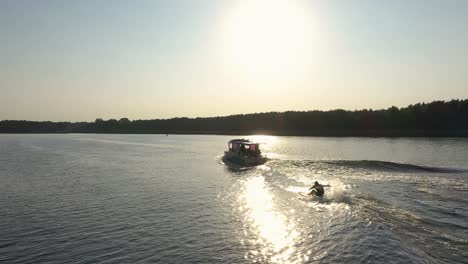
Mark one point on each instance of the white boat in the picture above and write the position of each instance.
(244, 152)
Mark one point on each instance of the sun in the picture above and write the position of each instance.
(267, 38)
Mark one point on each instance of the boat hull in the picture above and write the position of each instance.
(244, 160)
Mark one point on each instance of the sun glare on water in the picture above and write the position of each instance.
(268, 38)
(271, 231)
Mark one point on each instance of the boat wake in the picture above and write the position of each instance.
(375, 201)
(371, 165)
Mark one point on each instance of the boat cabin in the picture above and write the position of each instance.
(244, 147)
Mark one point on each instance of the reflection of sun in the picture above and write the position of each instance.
(274, 232)
(267, 144)
(265, 37)
(263, 139)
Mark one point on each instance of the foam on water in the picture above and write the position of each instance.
(343, 203)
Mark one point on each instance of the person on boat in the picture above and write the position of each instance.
(242, 150)
(317, 189)
(257, 152)
(250, 152)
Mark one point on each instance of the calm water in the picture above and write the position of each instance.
(152, 198)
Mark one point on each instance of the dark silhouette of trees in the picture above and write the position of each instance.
(438, 118)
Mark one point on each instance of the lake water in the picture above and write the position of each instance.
(83, 198)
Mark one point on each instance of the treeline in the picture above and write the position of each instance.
(438, 118)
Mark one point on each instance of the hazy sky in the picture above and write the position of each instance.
(80, 60)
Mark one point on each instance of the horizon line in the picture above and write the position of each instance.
(240, 114)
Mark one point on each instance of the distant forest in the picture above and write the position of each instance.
(435, 119)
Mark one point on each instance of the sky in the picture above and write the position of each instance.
(82, 60)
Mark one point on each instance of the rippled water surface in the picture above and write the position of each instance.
(171, 199)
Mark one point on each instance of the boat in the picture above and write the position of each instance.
(244, 152)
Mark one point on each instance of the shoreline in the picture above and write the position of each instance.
(434, 119)
(347, 133)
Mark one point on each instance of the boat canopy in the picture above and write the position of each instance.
(242, 141)
(236, 144)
